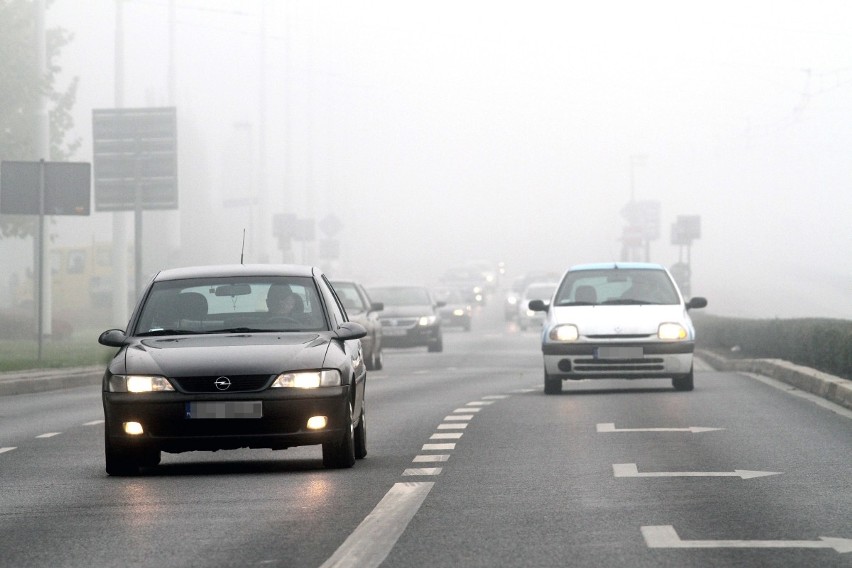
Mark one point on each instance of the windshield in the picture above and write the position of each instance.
(616, 286)
(401, 296)
(234, 304)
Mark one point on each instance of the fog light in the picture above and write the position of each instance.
(132, 428)
(317, 422)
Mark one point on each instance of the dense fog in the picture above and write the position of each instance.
(442, 132)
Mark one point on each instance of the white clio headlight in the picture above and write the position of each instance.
(671, 331)
(565, 332)
(308, 379)
(139, 383)
(427, 320)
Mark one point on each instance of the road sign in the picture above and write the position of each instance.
(67, 188)
(330, 225)
(135, 150)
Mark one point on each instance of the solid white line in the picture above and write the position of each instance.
(422, 471)
(447, 446)
(610, 427)
(467, 410)
(630, 470)
(93, 423)
(373, 539)
(665, 536)
(459, 417)
(795, 391)
(446, 436)
(452, 426)
(480, 403)
(431, 458)
(495, 397)
(48, 435)
(7, 449)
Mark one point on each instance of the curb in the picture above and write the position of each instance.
(829, 387)
(42, 380)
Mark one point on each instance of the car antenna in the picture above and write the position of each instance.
(243, 250)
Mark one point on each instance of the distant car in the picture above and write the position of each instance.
(225, 357)
(535, 291)
(410, 317)
(456, 312)
(519, 284)
(361, 309)
(618, 320)
(470, 281)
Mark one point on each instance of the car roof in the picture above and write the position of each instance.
(226, 270)
(618, 266)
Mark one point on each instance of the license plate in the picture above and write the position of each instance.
(619, 353)
(225, 409)
(393, 331)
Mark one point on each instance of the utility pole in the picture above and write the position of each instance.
(42, 281)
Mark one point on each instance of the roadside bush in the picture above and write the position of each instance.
(822, 344)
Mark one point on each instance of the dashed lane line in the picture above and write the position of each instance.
(431, 458)
(9, 449)
(453, 426)
(48, 435)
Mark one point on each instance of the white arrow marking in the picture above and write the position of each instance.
(630, 470)
(610, 427)
(665, 536)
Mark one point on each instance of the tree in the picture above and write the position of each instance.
(21, 86)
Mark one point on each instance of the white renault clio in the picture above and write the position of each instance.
(617, 320)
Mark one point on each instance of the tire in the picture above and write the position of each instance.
(361, 434)
(552, 385)
(120, 461)
(684, 383)
(341, 453)
(378, 361)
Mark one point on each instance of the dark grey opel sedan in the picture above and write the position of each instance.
(226, 357)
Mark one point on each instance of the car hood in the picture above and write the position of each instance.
(620, 320)
(406, 311)
(247, 354)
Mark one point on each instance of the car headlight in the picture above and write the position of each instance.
(512, 300)
(565, 332)
(139, 383)
(458, 312)
(672, 331)
(427, 320)
(308, 379)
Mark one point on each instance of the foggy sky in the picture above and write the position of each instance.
(440, 132)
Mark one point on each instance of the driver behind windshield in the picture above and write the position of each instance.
(281, 301)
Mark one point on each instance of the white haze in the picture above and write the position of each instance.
(444, 131)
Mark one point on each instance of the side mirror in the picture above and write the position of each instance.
(113, 338)
(440, 304)
(351, 330)
(697, 302)
(377, 306)
(539, 305)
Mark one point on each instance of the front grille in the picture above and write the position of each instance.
(618, 365)
(399, 322)
(239, 383)
(622, 336)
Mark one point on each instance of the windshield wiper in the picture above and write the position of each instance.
(155, 332)
(627, 301)
(577, 304)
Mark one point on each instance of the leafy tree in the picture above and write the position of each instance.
(21, 86)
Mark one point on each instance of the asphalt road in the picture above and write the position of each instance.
(469, 464)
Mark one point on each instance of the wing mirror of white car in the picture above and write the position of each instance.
(351, 330)
(539, 305)
(113, 338)
(377, 306)
(697, 302)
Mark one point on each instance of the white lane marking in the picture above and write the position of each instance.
(446, 436)
(431, 458)
(446, 446)
(48, 435)
(523, 391)
(480, 403)
(790, 389)
(422, 471)
(452, 426)
(495, 397)
(467, 410)
(610, 427)
(2, 450)
(93, 423)
(459, 417)
(631, 470)
(373, 539)
(665, 536)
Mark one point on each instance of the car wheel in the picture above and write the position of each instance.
(119, 461)
(552, 385)
(361, 434)
(684, 383)
(341, 453)
(378, 361)
(436, 347)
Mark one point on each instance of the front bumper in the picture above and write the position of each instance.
(166, 427)
(581, 360)
(416, 336)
